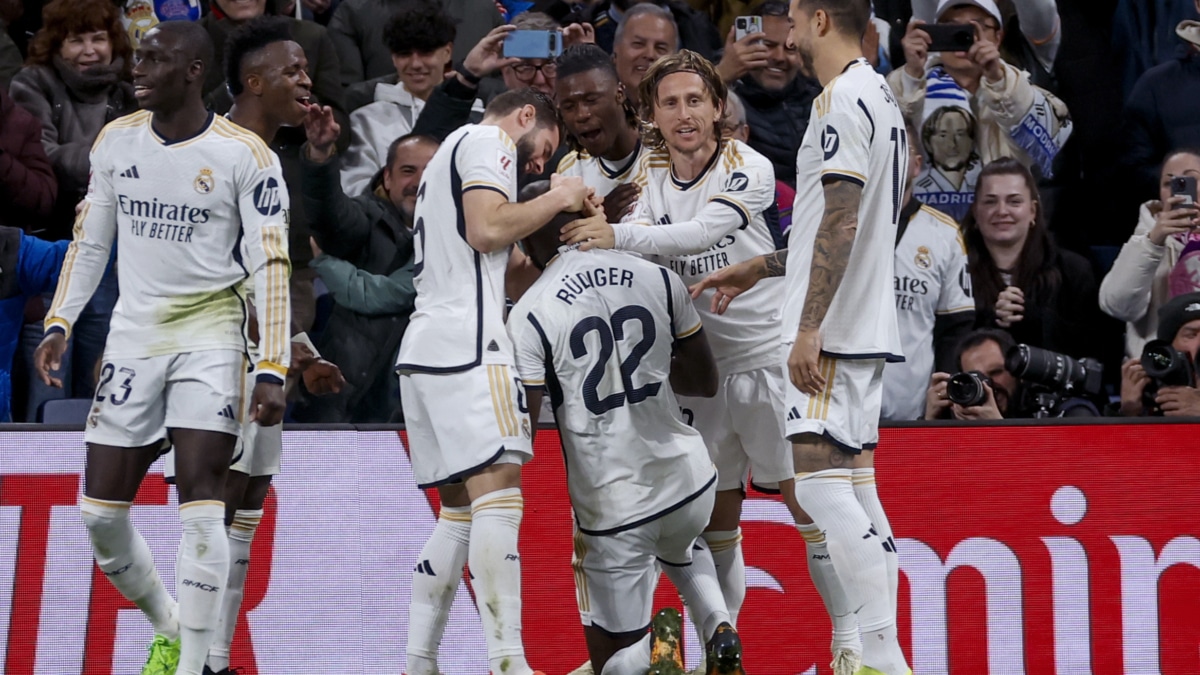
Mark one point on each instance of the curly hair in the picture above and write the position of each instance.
(683, 61)
(63, 18)
(247, 40)
(419, 26)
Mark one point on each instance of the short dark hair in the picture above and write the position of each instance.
(545, 112)
(247, 40)
(194, 39)
(770, 8)
(583, 58)
(982, 336)
(395, 146)
(419, 26)
(850, 17)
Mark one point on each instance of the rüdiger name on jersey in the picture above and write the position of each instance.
(194, 220)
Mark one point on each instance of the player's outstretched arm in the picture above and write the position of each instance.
(831, 254)
(494, 223)
(736, 279)
(693, 369)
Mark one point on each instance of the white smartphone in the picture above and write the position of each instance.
(746, 25)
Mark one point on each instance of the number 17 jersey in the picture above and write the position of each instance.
(597, 330)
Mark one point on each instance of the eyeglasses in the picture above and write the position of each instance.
(526, 72)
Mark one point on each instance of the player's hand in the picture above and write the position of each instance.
(322, 377)
(803, 368)
(730, 282)
(916, 49)
(1133, 383)
(48, 357)
(574, 192)
(618, 202)
(937, 403)
(316, 248)
(578, 34)
(487, 56)
(267, 404)
(742, 56)
(322, 131)
(1174, 218)
(79, 206)
(1010, 307)
(1179, 401)
(987, 410)
(986, 55)
(591, 232)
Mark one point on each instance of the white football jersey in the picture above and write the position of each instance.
(598, 173)
(855, 133)
(458, 322)
(596, 330)
(193, 219)
(931, 280)
(700, 226)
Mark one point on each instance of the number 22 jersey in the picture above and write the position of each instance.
(597, 330)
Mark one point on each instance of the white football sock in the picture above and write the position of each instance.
(200, 580)
(868, 497)
(241, 536)
(496, 567)
(633, 659)
(697, 585)
(857, 555)
(825, 578)
(123, 556)
(436, 577)
(726, 547)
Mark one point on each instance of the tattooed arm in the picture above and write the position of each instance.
(831, 250)
(736, 279)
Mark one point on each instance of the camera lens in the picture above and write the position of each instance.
(966, 389)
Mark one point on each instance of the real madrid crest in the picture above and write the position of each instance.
(923, 260)
(205, 182)
(525, 429)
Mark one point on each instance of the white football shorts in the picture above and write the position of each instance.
(847, 411)
(743, 430)
(460, 423)
(616, 574)
(137, 400)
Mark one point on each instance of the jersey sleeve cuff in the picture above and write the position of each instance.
(485, 185)
(271, 373)
(689, 332)
(57, 325)
(739, 208)
(828, 177)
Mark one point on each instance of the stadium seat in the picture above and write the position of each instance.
(65, 411)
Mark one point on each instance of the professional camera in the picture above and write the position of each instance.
(1166, 367)
(966, 389)
(1050, 378)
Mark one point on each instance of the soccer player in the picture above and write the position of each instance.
(839, 316)
(185, 189)
(467, 427)
(701, 208)
(612, 337)
(602, 125)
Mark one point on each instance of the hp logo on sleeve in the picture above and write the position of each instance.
(266, 197)
(830, 141)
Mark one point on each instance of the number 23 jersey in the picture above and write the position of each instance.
(597, 330)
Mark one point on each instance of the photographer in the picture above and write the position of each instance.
(1168, 386)
(999, 379)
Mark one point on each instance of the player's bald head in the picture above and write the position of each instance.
(543, 244)
(189, 38)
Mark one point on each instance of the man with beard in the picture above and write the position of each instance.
(468, 427)
(602, 125)
(200, 205)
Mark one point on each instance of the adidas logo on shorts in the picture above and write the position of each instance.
(793, 414)
(227, 411)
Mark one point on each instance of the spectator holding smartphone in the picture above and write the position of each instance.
(1158, 261)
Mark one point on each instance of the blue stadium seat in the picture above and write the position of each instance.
(65, 411)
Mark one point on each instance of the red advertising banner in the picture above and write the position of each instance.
(1024, 549)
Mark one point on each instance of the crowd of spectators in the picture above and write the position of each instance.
(1004, 134)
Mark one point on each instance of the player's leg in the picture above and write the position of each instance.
(847, 644)
(244, 499)
(863, 477)
(436, 576)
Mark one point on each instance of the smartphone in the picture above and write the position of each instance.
(949, 37)
(746, 25)
(1184, 186)
(533, 44)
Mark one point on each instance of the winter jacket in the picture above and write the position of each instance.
(10, 57)
(696, 30)
(1136, 286)
(28, 267)
(778, 120)
(370, 232)
(1160, 114)
(373, 128)
(1015, 118)
(360, 291)
(453, 104)
(27, 184)
(73, 107)
(357, 31)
